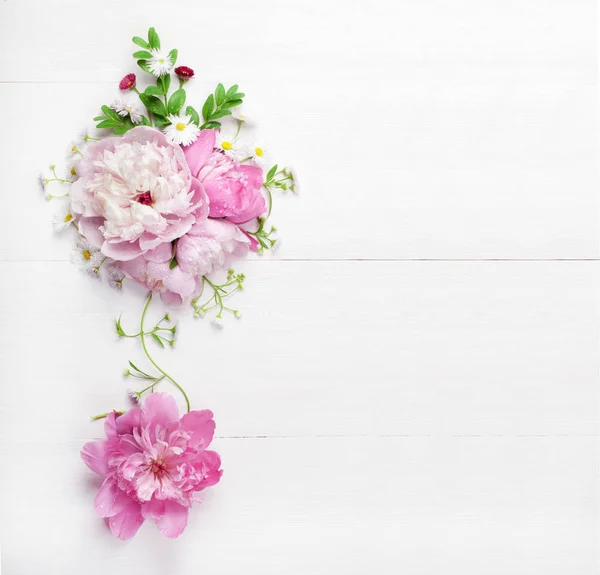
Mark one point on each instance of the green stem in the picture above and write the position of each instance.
(165, 374)
(103, 415)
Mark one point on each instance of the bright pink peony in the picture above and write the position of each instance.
(234, 189)
(153, 464)
(135, 193)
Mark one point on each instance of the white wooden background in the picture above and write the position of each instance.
(413, 387)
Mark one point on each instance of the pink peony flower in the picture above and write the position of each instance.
(127, 83)
(153, 464)
(234, 189)
(184, 73)
(153, 271)
(135, 193)
(211, 245)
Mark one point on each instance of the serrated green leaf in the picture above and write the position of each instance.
(176, 101)
(220, 94)
(153, 91)
(232, 91)
(142, 54)
(208, 107)
(231, 103)
(153, 39)
(192, 112)
(153, 104)
(143, 64)
(173, 55)
(140, 42)
(220, 114)
(158, 340)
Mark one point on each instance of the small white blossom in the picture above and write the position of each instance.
(115, 277)
(160, 63)
(238, 114)
(128, 108)
(85, 256)
(62, 219)
(237, 313)
(181, 130)
(42, 180)
(217, 322)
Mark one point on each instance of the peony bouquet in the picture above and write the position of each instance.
(165, 196)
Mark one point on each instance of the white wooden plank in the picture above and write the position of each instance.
(344, 348)
(309, 41)
(457, 172)
(324, 506)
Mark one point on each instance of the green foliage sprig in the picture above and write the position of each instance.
(219, 104)
(220, 292)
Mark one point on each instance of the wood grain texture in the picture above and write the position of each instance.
(375, 412)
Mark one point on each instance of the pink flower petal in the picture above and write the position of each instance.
(201, 426)
(121, 251)
(95, 455)
(126, 524)
(159, 408)
(197, 153)
(110, 500)
(129, 420)
(174, 520)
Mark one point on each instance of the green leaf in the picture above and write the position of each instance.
(153, 104)
(173, 55)
(144, 66)
(108, 124)
(173, 263)
(145, 121)
(237, 96)
(153, 39)
(120, 331)
(232, 91)
(136, 368)
(192, 112)
(220, 114)
(208, 107)
(99, 118)
(231, 104)
(220, 94)
(121, 130)
(271, 172)
(140, 42)
(158, 340)
(142, 54)
(153, 91)
(159, 121)
(210, 126)
(176, 101)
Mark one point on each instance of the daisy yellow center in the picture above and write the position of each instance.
(226, 145)
(259, 152)
(86, 254)
(162, 61)
(74, 149)
(68, 217)
(180, 126)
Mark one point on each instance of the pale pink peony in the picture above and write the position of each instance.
(153, 464)
(211, 245)
(135, 193)
(234, 189)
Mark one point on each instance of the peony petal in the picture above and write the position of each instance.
(161, 253)
(212, 462)
(110, 500)
(201, 426)
(197, 153)
(174, 519)
(89, 227)
(128, 421)
(110, 425)
(126, 524)
(121, 251)
(95, 455)
(159, 408)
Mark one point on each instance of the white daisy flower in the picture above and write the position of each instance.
(128, 108)
(247, 152)
(160, 63)
(259, 156)
(115, 277)
(181, 130)
(230, 145)
(85, 256)
(238, 114)
(62, 219)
